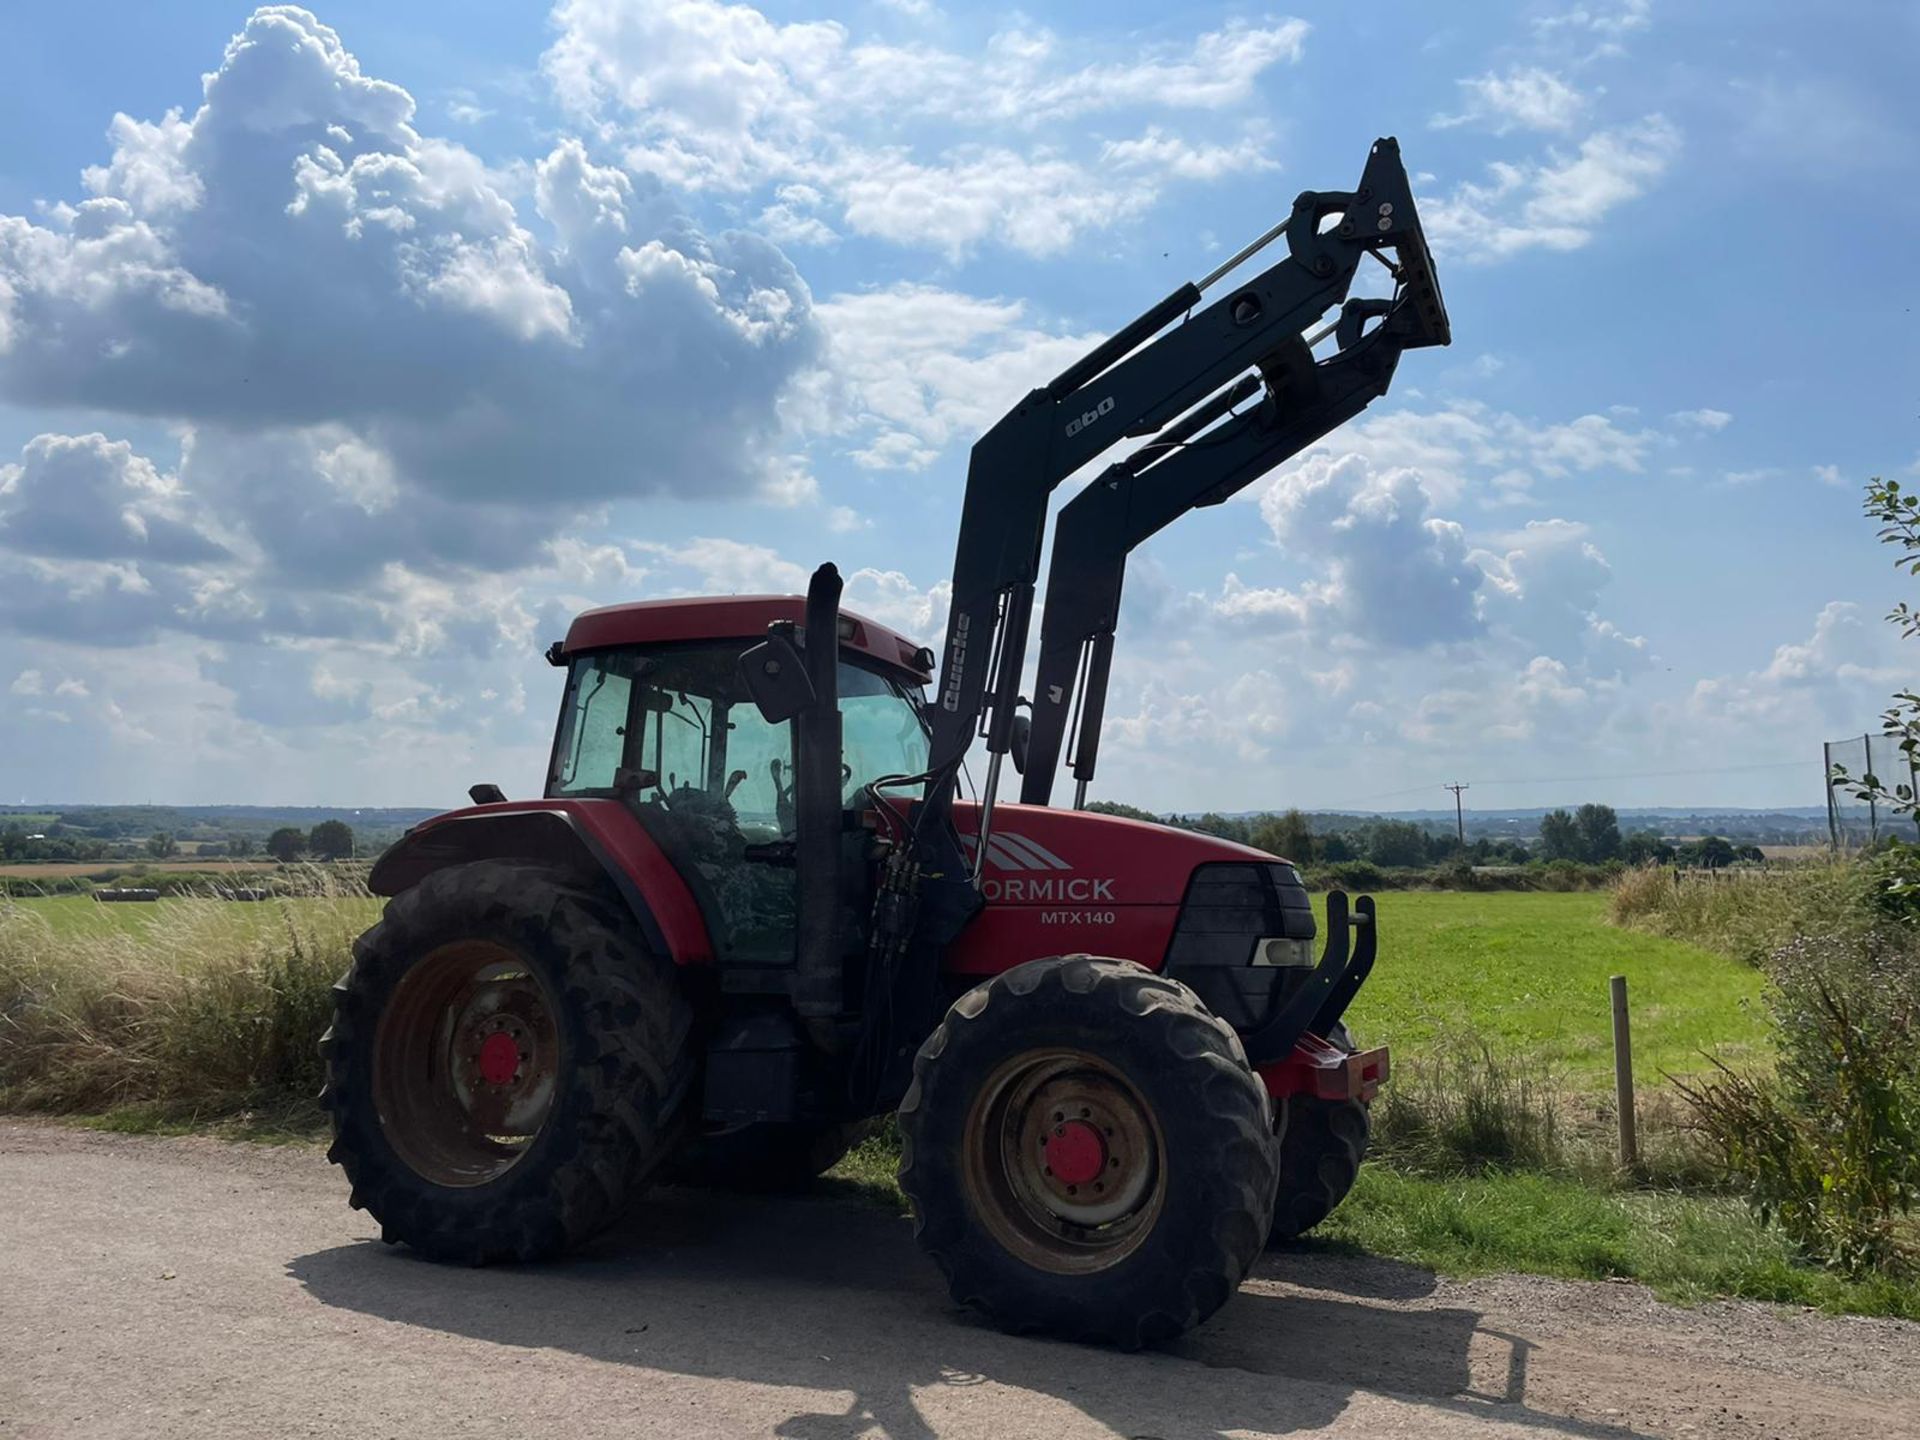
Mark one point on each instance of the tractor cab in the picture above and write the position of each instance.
(655, 715)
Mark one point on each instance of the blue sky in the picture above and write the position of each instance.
(344, 354)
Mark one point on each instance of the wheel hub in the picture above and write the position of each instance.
(1076, 1153)
(1064, 1161)
(499, 1059)
(466, 1063)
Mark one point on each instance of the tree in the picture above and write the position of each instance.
(161, 845)
(1559, 836)
(331, 840)
(286, 844)
(1125, 812)
(1287, 835)
(1335, 849)
(238, 844)
(1225, 827)
(1397, 842)
(1899, 515)
(1646, 847)
(1709, 852)
(1599, 831)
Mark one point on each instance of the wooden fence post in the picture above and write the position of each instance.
(1623, 1073)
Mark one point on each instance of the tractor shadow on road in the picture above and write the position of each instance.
(831, 1295)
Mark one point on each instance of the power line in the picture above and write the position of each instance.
(1592, 779)
(1459, 815)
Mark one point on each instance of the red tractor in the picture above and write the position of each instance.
(751, 914)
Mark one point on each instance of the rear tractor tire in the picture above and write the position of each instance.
(1087, 1153)
(506, 1065)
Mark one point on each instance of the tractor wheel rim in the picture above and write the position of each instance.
(466, 1063)
(1064, 1162)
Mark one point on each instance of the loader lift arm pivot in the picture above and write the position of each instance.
(1136, 384)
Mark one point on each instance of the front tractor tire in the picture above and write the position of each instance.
(1322, 1143)
(506, 1064)
(1087, 1153)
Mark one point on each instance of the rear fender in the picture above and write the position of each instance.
(586, 839)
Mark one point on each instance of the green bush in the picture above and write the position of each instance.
(1364, 875)
(29, 886)
(1353, 875)
(1892, 879)
(1829, 1145)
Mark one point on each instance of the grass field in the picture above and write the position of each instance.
(82, 915)
(1528, 971)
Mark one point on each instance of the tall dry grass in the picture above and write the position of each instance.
(1462, 1108)
(1748, 915)
(204, 1008)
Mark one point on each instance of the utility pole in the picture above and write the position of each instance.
(1459, 815)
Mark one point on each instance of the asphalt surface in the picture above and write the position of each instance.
(162, 1288)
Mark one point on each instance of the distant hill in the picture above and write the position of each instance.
(1780, 825)
(120, 830)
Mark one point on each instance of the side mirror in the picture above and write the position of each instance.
(776, 677)
(1019, 734)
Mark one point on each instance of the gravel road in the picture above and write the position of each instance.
(162, 1288)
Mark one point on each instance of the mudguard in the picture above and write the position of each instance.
(587, 838)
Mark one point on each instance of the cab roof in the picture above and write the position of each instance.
(734, 617)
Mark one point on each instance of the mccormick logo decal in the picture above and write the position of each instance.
(1010, 852)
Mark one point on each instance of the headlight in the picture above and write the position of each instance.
(1284, 952)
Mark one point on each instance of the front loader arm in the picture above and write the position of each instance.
(1134, 384)
(1189, 467)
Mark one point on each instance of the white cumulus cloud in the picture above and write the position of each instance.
(1554, 203)
(910, 143)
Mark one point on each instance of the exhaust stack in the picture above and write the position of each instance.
(818, 989)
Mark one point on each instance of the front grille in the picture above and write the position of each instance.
(1229, 907)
